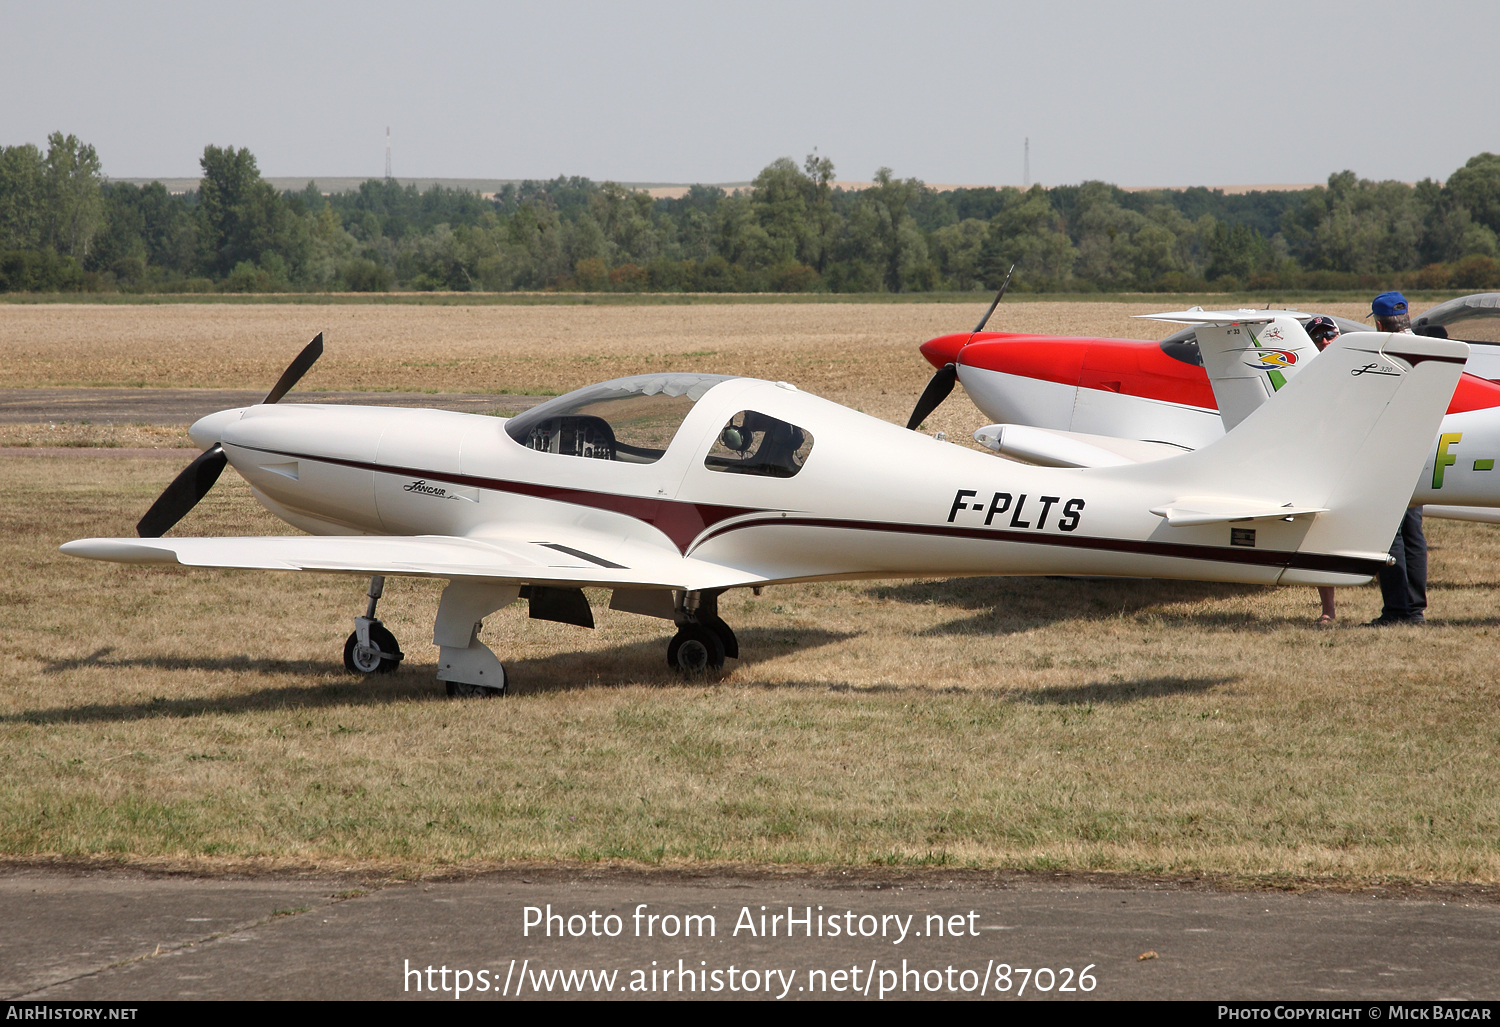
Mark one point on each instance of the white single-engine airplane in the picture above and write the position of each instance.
(671, 488)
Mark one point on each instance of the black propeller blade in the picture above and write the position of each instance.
(932, 397)
(941, 384)
(297, 368)
(998, 297)
(183, 494)
(199, 476)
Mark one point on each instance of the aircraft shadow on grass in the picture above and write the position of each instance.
(1011, 605)
(635, 663)
(642, 661)
(1461, 622)
(639, 660)
(1103, 693)
(1095, 693)
(1439, 585)
(402, 686)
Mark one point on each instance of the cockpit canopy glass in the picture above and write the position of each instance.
(756, 443)
(631, 420)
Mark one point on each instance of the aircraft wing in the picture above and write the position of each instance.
(536, 558)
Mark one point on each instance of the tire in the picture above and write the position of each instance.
(726, 636)
(460, 690)
(695, 650)
(358, 660)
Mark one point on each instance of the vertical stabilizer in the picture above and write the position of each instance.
(1249, 355)
(1250, 361)
(1347, 437)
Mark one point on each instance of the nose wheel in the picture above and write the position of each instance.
(380, 655)
(370, 648)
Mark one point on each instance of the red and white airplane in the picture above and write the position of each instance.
(1088, 402)
(669, 489)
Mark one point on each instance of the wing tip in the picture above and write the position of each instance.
(118, 550)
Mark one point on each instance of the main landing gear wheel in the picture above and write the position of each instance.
(725, 633)
(695, 649)
(460, 690)
(384, 657)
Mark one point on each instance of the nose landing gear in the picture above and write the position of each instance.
(370, 648)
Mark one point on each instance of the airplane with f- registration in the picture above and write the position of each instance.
(669, 489)
(1084, 402)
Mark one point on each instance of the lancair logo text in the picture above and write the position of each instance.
(427, 490)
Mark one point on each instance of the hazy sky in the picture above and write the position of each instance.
(1156, 93)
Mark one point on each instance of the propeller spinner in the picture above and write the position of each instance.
(178, 498)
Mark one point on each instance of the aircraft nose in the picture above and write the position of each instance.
(1048, 358)
(944, 349)
(207, 431)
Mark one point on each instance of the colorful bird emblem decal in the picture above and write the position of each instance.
(1272, 359)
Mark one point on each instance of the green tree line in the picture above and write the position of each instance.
(65, 227)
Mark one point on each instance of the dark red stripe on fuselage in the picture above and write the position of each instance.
(680, 522)
(1175, 550)
(684, 522)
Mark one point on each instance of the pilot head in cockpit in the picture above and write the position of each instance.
(1322, 330)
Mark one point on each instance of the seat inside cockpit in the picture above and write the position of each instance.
(757, 443)
(631, 420)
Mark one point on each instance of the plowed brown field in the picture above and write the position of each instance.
(864, 355)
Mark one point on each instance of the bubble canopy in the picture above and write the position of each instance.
(631, 420)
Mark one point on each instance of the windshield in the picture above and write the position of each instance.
(1474, 318)
(629, 419)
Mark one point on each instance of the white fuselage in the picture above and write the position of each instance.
(872, 501)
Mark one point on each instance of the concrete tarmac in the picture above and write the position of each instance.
(128, 936)
(184, 406)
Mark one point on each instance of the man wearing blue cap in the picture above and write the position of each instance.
(1403, 586)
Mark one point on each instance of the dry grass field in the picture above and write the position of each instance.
(204, 719)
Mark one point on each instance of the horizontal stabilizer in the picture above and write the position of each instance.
(1197, 316)
(1191, 510)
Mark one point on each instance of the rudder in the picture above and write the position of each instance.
(1348, 435)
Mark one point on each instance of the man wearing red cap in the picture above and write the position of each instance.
(1403, 586)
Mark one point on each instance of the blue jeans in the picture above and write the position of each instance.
(1403, 586)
